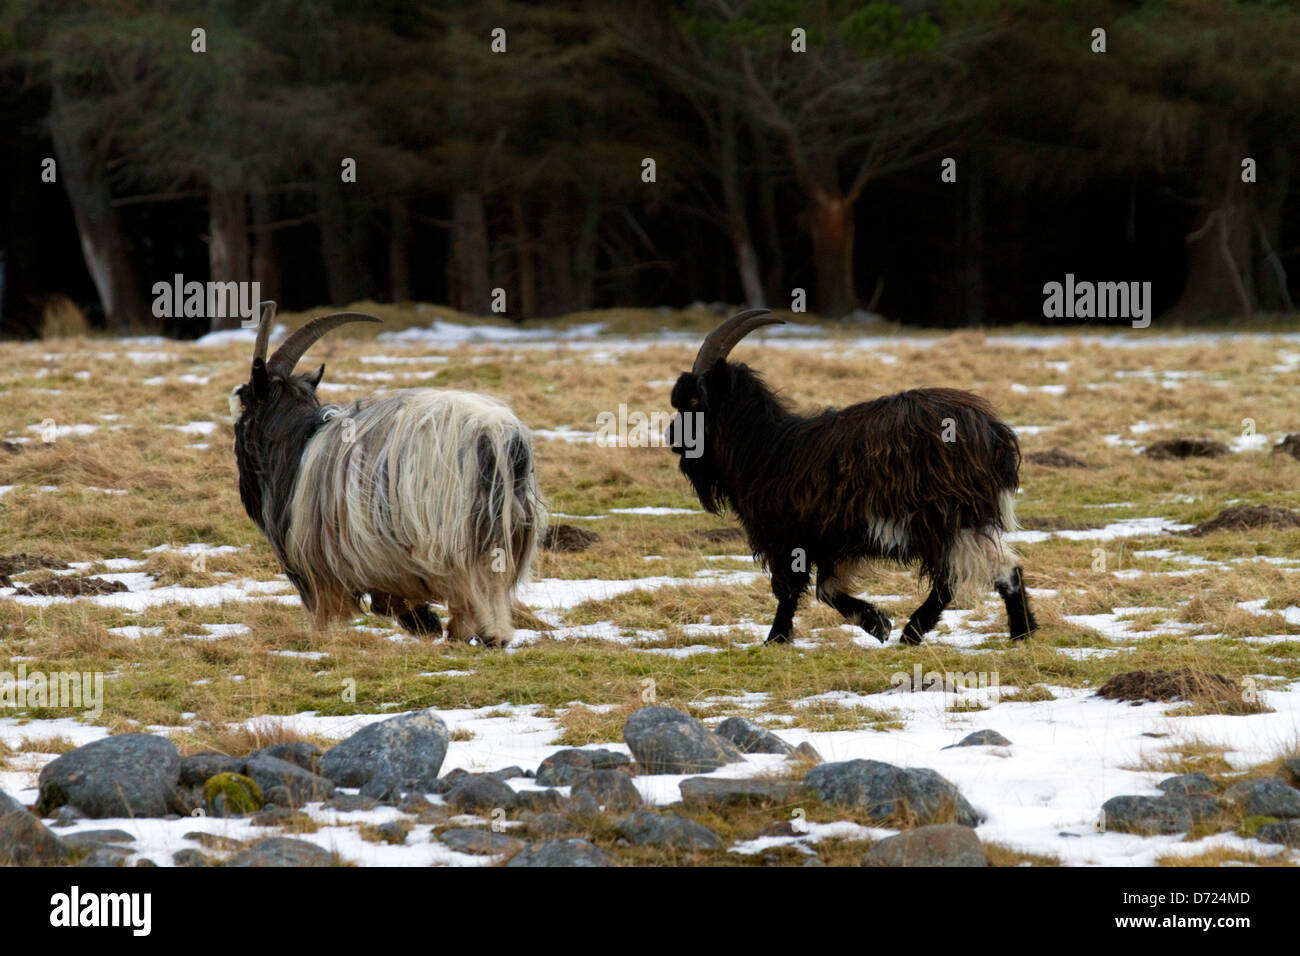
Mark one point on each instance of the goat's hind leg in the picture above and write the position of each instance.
(854, 610)
(788, 588)
(1020, 619)
(418, 619)
(925, 617)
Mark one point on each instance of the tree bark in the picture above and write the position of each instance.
(399, 252)
(1220, 280)
(228, 246)
(468, 266)
(832, 238)
(733, 200)
(584, 250)
(526, 267)
(266, 262)
(103, 245)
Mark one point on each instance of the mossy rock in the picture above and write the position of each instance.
(1251, 824)
(232, 794)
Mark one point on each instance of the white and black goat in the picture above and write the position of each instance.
(925, 476)
(413, 497)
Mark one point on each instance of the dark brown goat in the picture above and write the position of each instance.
(926, 476)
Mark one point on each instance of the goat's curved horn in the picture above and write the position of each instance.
(723, 339)
(292, 349)
(264, 329)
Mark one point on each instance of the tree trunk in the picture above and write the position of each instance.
(346, 283)
(1220, 280)
(467, 268)
(228, 248)
(526, 268)
(584, 250)
(832, 238)
(103, 246)
(266, 263)
(399, 253)
(733, 200)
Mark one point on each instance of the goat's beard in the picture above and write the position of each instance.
(706, 481)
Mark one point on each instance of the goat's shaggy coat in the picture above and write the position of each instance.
(419, 496)
(925, 476)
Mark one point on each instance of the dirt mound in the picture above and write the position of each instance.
(71, 587)
(565, 537)
(1172, 449)
(1213, 693)
(12, 447)
(1290, 445)
(23, 561)
(1240, 517)
(715, 535)
(1056, 459)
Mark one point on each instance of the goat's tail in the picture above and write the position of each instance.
(981, 556)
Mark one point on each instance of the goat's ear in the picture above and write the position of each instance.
(260, 381)
(315, 379)
(702, 392)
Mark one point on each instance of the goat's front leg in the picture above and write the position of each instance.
(854, 610)
(925, 617)
(1020, 619)
(788, 587)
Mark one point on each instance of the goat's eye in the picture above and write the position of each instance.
(694, 403)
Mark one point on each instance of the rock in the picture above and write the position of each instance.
(24, 840)
(1290, 771)
(351, 803)
(301, 753)
(215, 841)
(1286, 832)
(613, 789)
(943, 844)
(561, 768)
(393, 832)
(540, 801)
(667, 829)
(274, 815)
(480, 842)
(887, 792)
(232, 795)
(282, 851)
(197, 768)
(127, 775)
(1187, 784)
(1151, 815)
(476, 793)
(414, 804)
(88, 839)
(445, 784)
(663, 740)
(981, 738)
(568, 851)
(706, 792)
(187, 799)
(287, 784)
(806, 751)
(1265, 797)
(507, 773)
(750, 738)
(188, 857)
(404, 753)
(66, 816)
(103, 854)
(548, 824)
(583, 806)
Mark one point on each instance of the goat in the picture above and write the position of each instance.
(925, 476)
(412, 497)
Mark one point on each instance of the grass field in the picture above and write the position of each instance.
(117, 461)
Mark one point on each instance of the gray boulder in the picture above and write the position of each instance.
(707, 792)
(1152, 815)
(667, 829)
(886, 792)
(127, 775)
(561, 768)
(287, 784)
(1265, 797)
(981, 738)
(1285, 832)
(612, 789)
(943, 844)
(480, 842)
(197, 768)
(750, 738)
(24, 840)
(664, 740)
(1188, 784)
(478, 793)
(302, 753)
(404, 753)
(568, 851)
(282, 851)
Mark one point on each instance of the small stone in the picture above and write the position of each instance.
(89, 839)
(612, 789)
(666, 741)
(126, 775)
(301, 753)
(981, 738)
(282, 851)
(750, 738)
(886, 792)
(1265, 797)
(583, 806)
(297, 787)
(275, 815)
(1290, 771)
(189, 857)
(480, 842)
(414, 803)
(197, 768)
(568, 851)
(443, 785)
(393, 832)
(66, 816)
(351, 803)
(561, 768)
(707, 792)
(507, 773)
(668, 829)
(540, 801)
(943, 844)
(807, 752)
(1285, 832)
(548, 824)
(25, 841)
(480, 793)
(215, 841)
(104, 854)
(1152, 815)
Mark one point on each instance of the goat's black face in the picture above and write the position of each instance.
(688, 433)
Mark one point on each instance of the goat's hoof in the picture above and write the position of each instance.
(777, 639)
(911, 636)
(422, 621)
(877, 625)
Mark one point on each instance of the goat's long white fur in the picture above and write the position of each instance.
(394, 495)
